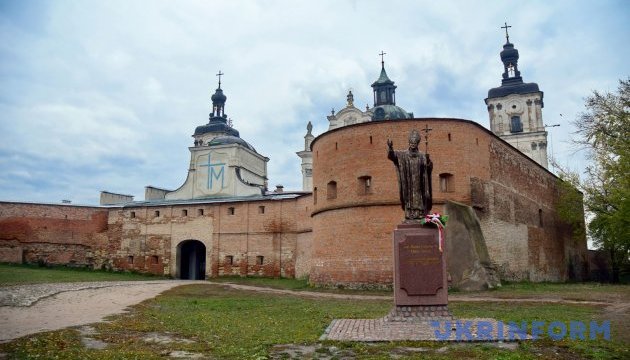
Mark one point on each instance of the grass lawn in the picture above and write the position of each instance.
(11, 274)
(294, 284)
(223, 323)
(570, 291)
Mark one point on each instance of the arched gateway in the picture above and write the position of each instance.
(191, 260)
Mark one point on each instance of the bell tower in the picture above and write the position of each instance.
(515, 108)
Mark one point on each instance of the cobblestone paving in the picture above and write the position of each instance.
(461, 330)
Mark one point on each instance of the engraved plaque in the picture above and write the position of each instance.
(420, 265)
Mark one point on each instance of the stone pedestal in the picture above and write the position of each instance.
(420, 276)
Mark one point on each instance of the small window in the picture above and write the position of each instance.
(540, 218)
(260, 260)
(157, 213)
(477, 141)
(370, 139)
(365, 185)
(331, 190)
(200, 212)
(231, 211)
(229, 260)
(129, 259)
(155, 259)
(336, 146)
(534, 146)
(315, 196)
(446, 182)
(184, 212)
(132, 214)
(449, 136)
(261, 209)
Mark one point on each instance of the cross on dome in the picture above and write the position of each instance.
(507, 36)
(219, 75)
(382, 54)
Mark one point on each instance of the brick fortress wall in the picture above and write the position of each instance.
(352, 225)
(53, 234)
(265, 238)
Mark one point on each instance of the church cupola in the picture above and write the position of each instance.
(384, 88)
(218, 124)
(385, 98)
(509, 57)
(511, 82)
(218, 101)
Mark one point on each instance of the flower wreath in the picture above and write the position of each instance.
(440, 222)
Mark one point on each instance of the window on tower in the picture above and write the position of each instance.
(510, 69)
(516, 125)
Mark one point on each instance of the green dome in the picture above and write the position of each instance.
(390, 112)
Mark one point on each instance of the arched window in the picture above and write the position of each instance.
(331, 190)
(446, 182)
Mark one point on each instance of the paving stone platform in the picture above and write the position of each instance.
(383, 329)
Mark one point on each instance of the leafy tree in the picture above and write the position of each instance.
(604, 130)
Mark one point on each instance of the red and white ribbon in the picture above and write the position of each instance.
(435, 219)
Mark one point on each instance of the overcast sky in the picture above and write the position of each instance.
(105, 95)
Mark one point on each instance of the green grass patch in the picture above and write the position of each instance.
(12, 274)
(231, 324)
(589, 291)
(295, 284)
(275, 283)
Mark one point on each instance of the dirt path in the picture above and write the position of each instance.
(74, 306)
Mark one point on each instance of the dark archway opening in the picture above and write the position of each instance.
(192, 260)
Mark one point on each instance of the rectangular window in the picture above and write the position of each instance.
(315, 196)
(261, 209)
(130, 259)
(184, 212)
(515, 124)
(229, 260)
(231, 211)
(157, 213)
(446, 182)
(155, 259)
(260, 260)
(200, 212)
(132, 214)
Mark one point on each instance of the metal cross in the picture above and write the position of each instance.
(426, 137)
(507, 37)
(219, 75)
(382, 54)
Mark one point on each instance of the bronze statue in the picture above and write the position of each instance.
(414, 178)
